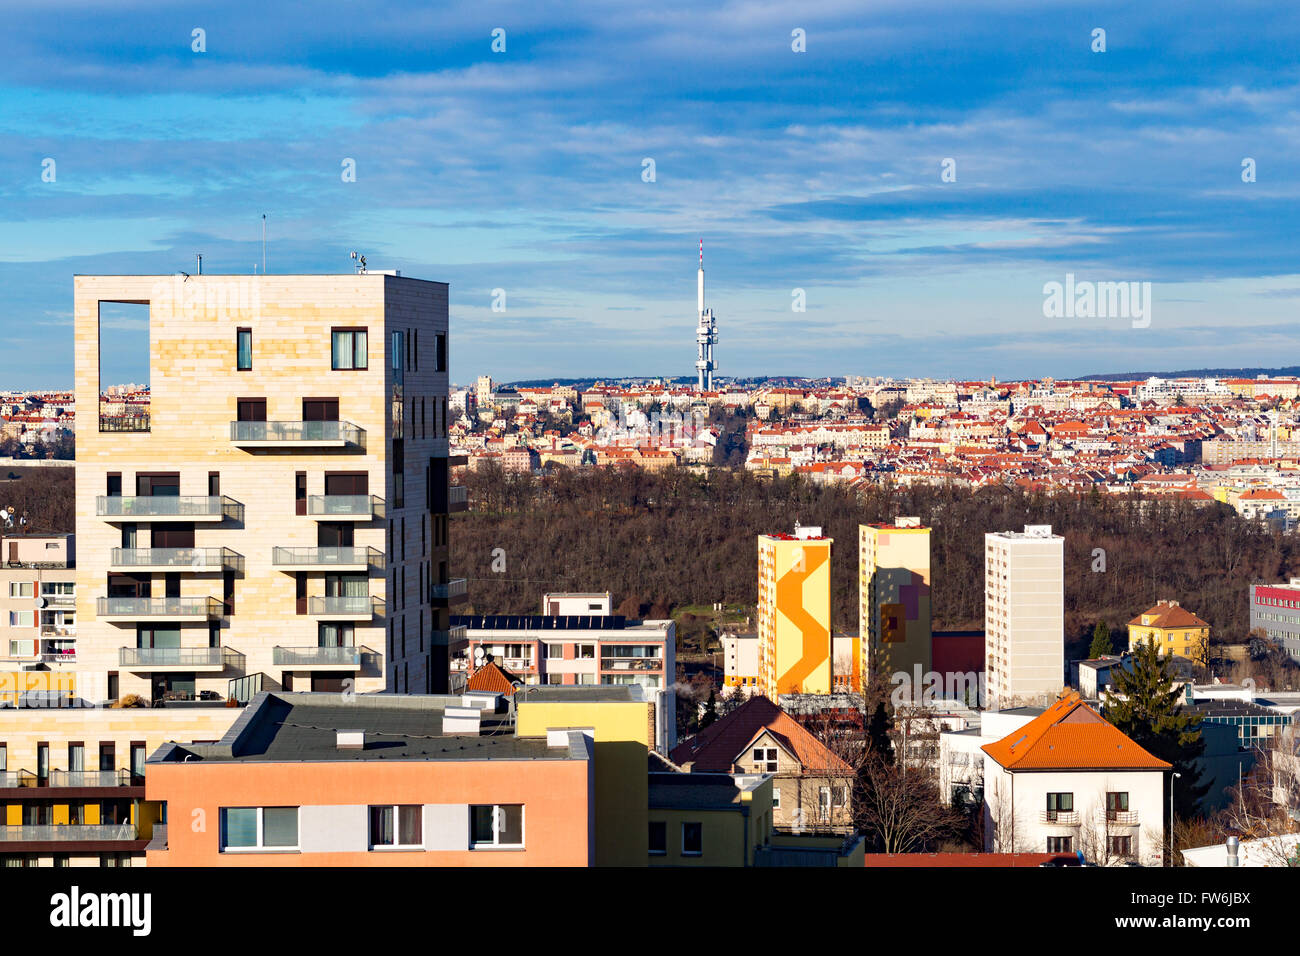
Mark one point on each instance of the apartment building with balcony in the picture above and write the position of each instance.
(278, 519)
(1024, 616)
(38, 603)
(1068, 781)
(72, 779)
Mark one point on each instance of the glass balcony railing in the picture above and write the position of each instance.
(195, 559)
(60, 833)
(171, 656)
(631, 663)
(458, 497)
(325, 557)
(316, 657)
(90, 778)
(144, 507)
(455, 588)
(362, 605)
(290, 433)
(17, 779)
(345, 506)
(164, 607)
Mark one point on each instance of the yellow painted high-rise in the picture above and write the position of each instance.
(794, 613)
(894, 597)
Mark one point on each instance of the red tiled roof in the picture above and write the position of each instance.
(1168, 615)
(1070, 735)
(492, 678)
(716, 747)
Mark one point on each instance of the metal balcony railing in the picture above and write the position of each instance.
(344, 606)
(325, 557)
(196, 559)
(60, 600)
(351, 506)
(165, 506)
(59, 657)
(1066, 818)
(136, 607)
(457, 587)
(307, 433)
(171, 656)
(58, 630)
(1123, 818)
(90, 778)
(60, 833)
(316, 657)
(631, 663)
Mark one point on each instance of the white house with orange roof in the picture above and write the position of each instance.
(1069, 781)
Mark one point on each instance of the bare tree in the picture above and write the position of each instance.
(902, 814)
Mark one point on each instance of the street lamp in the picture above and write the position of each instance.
(1170, 836)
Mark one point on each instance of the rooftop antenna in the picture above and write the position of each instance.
(263, 243)
(199, 256)
(361, 263)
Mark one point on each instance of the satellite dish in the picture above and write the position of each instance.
(478, 653)
(40, 601)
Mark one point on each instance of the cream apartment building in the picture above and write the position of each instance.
(278, 517)
(1024, 616)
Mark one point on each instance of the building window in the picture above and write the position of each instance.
(586, 651)
(554, 652)
(1058, 803)
(776, 798)
(441, 341)
(397, 827)
(765, 759)
(348, 349)
(244, 349)
(1060, 844)
(21, 618)
(496, 826)
(398, 347)
(259, 828)
(692, 839)
(20, 589)
(658, 838)
(1121, 846)
(1116, 803)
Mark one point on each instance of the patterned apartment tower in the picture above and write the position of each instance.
(794, 613)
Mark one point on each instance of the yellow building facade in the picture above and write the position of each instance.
(1174, 630)
(894, 597)
(794, 613)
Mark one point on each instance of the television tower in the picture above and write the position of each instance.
(706, 334)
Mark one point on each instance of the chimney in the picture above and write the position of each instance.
(350, 739)
(1233, 845)
(461, 721)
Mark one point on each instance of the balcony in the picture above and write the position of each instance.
(457, 498)
(344, 608)
(1122, 818)
(90, 778)
(184, 659)
(69, 832)
(297, 435)
(166, 507)
(455, 591)
(1060, 818)
(59, 600)
(158, 609)
(317, 658)
(345, 507)
(17, 779)
(175, 559)
(631, 663)
(68, 656)
(326, 559)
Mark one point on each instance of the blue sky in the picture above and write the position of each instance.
(818, 170)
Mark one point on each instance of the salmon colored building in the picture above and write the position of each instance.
(343, 780)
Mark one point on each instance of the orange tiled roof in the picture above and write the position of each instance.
(1070, 735)
(717, 747)
(1169, 615)
(492, 678)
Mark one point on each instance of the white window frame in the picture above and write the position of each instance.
(397, 827)
(768, 762)
(496, 828)
(16, 589)
(261, 847)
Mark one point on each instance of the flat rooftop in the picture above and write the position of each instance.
(288, 727)
(697, 791)
(574, 693)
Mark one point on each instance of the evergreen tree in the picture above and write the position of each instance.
(1101, 643)
(878, 728)
(710, 710)
(1147, 708)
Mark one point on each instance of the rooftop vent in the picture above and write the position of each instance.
(350, 739)
(1038, 530)
(907, 522)
(461, 721)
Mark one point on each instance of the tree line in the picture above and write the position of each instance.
(673, 538)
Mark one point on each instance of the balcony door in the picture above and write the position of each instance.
(177, 535)
(347, 483)
(346, 585)
(320, 410)
(335, 635)
(158, 485)
(158, 637)
(129, 585)
(335, 534)
(250, 409)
